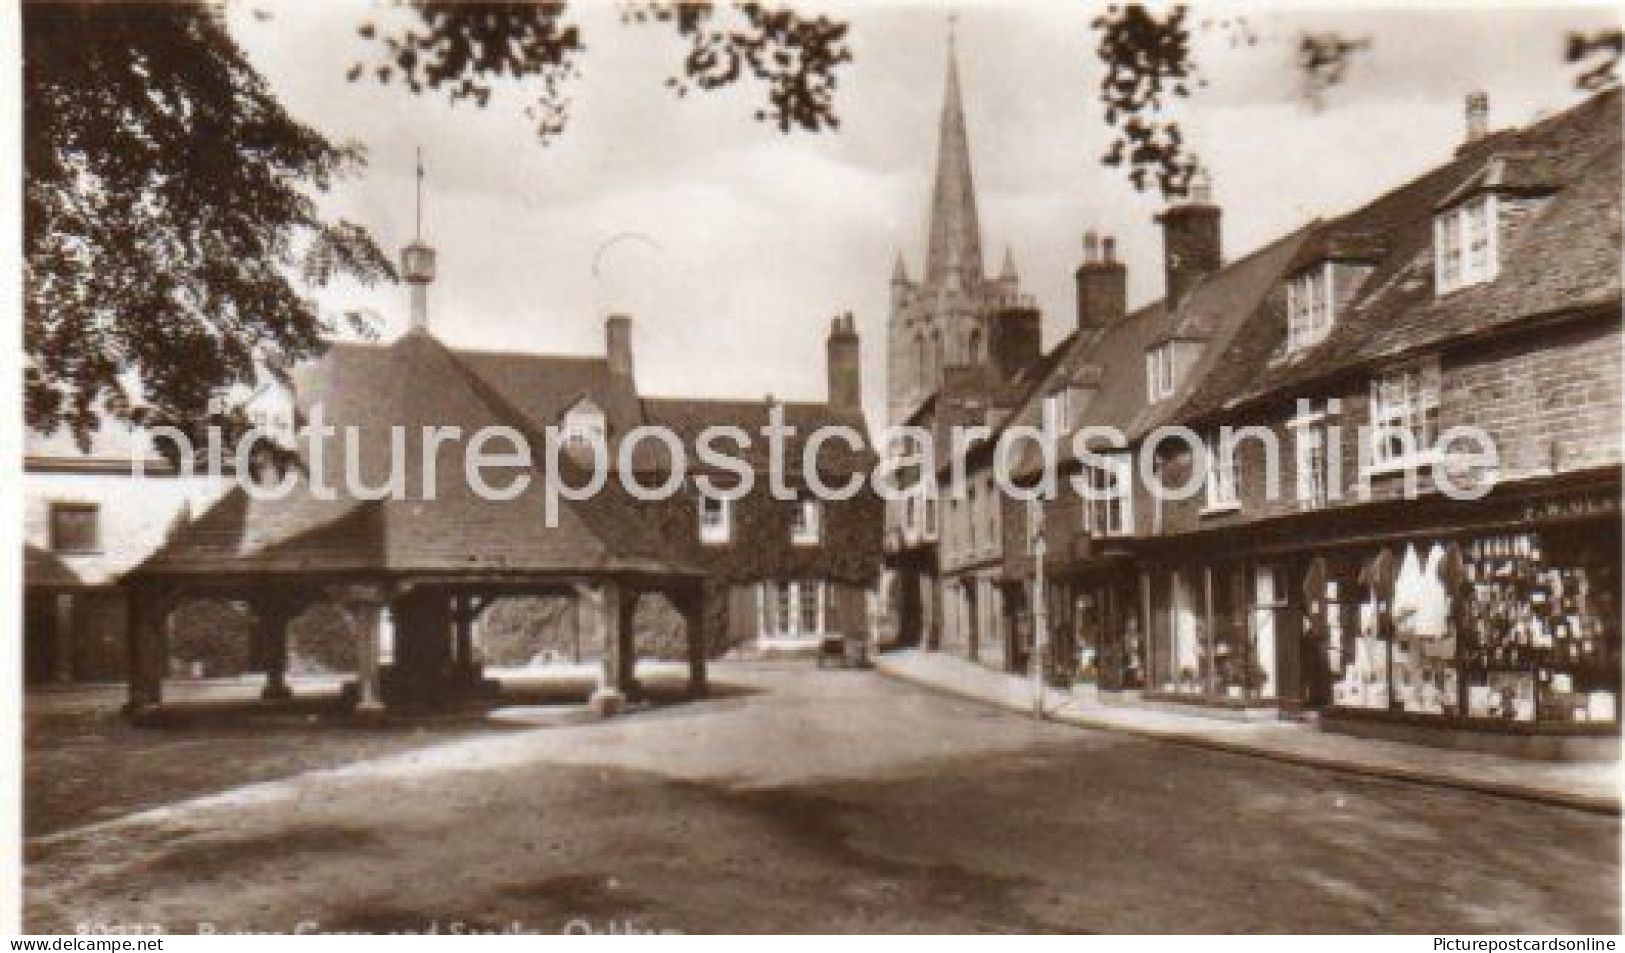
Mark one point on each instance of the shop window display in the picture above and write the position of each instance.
(1190, 668)
(1494, 628)
(1235, 672)
(1268, 602)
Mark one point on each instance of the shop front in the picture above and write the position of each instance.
(1098, 615)
(1494, 629)
(1505, 641)
(1219, 633)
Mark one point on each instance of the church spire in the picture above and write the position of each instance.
(956, 236)
(1007, 271)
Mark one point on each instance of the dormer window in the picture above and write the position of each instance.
(1159, 372)
(1464, 244)
(583, 425)
(807, 525)
(1309, 307)
(1063, 410)
(716, 520)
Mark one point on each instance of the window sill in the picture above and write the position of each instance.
(805, 543)
(799, 641)
(714, 541)
(1417, 462)
(1219, 509)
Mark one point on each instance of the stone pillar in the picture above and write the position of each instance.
(366, 607)
(610, 697)
(148, 654)
(64, 642)
(572, 622)
(273, 616)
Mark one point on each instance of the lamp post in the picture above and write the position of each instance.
(1040, 614)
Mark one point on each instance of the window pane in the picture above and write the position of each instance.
(809, 592)
(74, 528)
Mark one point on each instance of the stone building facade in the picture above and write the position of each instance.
(1336, 577)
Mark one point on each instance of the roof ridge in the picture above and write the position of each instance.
(534, 355)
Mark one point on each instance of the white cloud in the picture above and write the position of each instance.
(762, 237)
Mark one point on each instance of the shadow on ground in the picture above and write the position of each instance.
(81, 766)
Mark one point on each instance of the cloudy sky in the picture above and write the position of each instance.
(754, 238)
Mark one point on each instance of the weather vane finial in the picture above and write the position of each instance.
(417, 229)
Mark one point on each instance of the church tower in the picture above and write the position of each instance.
(948, 317)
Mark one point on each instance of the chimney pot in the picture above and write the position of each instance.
(1102, 285)
(1478, 115)
(1192, 244)
(1201, 187)
(845, 379)
(618, 345)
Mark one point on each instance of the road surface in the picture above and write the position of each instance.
(808, 801)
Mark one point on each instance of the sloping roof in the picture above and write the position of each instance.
(45, 569)
(543, 387)
(412, 384)
(1563, 258)
(1215, 311)
(689, 417)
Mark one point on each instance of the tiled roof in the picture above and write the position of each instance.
(1563, 258)
(688, 417)
(1215, 310)
(45, 569)
(543, 387)
(415, 382)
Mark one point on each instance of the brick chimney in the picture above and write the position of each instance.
(1102, 284)
(845, 375)
(1016, 340)
(1478, 115)
(618, 345)
(1191, 245)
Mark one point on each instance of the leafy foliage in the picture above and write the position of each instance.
(795, 56)
(1323, 60)
(464, 48)
(1148, 66)
(168, 211)
(1151, 65)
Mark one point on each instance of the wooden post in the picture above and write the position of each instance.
(693, 604)
(1208, 635)
(463, 613)
(628, 655)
